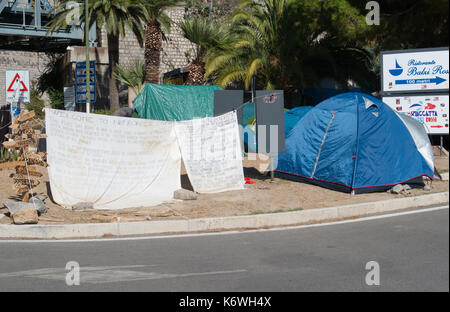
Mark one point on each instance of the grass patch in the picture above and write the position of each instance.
(275, 211)
(103, 221)
(442, 170)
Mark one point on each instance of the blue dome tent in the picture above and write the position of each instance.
(354, 142)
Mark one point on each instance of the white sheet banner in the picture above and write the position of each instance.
(113, 162)
(212, 153)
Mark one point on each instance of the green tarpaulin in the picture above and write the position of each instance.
(175, 102)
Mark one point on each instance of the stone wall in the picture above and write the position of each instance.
(34, 62)
(177, 51)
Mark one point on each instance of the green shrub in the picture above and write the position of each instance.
(8, 155)
(132, 76)
(102, 112)
(36, 103)
(56, 98)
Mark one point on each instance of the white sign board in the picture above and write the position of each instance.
(211, 150)
(17, 86)
(112, 162)
(431, 110)
(414, 70)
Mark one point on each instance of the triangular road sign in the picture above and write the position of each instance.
(17, 78)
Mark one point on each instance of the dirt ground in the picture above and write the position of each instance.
(262, 197)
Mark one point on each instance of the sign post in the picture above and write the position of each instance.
(86, 32)
(17, 90)
(431, 110)
(81, 90)
(416, 83)
(415, 71)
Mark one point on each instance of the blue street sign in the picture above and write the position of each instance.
(80, 82)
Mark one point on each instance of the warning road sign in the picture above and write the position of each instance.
(17, 86)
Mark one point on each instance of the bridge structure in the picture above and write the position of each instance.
(23, 27)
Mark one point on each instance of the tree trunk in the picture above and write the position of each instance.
(153, 48)
(113, 56)
(196, 74)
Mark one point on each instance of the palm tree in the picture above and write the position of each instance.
(290, 45)
(205, 35)
(156, 23)
(259, 37)
(115, 16)
(132, 76)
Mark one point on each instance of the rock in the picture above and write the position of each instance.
(34, 203)
(427, 187)
(397, 189)
(400, 188)
(406, 187)
(41, 197)
(184, 194)
(38, 204)
(1, 216)
(83, 206)
(124, 112)
(25, 216)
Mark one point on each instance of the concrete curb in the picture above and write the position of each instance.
(216, 224)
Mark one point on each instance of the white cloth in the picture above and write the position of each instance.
(113, 162)
(212, 153)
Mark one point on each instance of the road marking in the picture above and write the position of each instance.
(108, 274)
(232, 232)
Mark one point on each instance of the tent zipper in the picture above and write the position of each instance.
(333, 113)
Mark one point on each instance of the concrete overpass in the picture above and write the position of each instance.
(23, 27)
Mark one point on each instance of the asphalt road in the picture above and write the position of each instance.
(412, 252)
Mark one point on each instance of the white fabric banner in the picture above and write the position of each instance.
(212, 153)
(113, 162)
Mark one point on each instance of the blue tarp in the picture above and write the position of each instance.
(314, 96)
(291, 118)
(352, 142)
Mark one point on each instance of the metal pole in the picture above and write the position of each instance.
(88, 67)
(442, 145)
(254, 105)
(271, 170)
(210, 8)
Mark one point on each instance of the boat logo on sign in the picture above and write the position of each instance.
(417, 106)
(398, 70)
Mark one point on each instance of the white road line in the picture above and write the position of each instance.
(112, 274)
(284, 228)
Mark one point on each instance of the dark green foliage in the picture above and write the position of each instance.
(8, 155)
(52, 75)
(56, 98)
(36, 103)
(103, 112)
